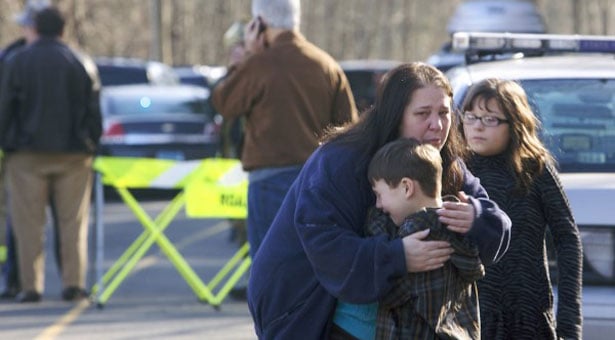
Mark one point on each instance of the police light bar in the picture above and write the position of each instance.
(483, 43)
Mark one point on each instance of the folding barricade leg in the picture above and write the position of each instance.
(128, 260)
(153, 232)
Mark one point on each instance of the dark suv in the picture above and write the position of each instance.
(363, 76)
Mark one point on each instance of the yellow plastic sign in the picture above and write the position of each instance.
(3, 253)
(128, 172)
(214, 187)
(218, 189)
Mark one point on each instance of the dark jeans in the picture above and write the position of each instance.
(265, 197)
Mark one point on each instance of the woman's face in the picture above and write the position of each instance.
(486, 140)
(427, 118)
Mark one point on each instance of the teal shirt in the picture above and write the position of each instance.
(357, 319)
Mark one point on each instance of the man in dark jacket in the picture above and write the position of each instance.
(7, 240)
(50, 125)
(10, 270)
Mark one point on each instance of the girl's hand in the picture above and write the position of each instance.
(459, 216)
(422, 255)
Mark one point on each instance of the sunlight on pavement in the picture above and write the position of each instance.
(54, 330)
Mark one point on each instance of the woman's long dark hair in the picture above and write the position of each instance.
(382, 123)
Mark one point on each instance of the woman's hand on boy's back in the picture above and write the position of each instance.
(458, 216)
(423, 255)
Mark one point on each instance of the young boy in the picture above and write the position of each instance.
(440, 304)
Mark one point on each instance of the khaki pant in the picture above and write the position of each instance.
(32, 179)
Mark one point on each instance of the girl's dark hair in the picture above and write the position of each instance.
(382, 122)
(526, 155)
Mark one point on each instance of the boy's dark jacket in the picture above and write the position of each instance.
(441, 303)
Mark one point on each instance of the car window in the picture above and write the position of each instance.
(143, 105)
(110, 75)
(578, 121)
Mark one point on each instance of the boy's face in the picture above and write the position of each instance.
(393, 201)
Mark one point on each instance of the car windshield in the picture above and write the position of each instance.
(110, 75)
(578, 124)
(146, 105)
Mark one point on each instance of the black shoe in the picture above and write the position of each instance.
(74, 294)
(9, 294)
(239, 293)
(29, 296)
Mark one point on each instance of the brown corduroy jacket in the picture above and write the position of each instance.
(289, 94)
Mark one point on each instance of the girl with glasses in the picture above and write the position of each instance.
(518, 172)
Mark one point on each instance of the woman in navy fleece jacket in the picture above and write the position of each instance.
(315, 251)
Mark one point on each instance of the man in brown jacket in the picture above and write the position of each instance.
(289, 91)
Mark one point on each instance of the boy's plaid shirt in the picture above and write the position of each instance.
(439, 304)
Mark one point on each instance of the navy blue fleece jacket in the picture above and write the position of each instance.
(316, 251)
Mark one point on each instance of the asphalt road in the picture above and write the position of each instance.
(154, 302)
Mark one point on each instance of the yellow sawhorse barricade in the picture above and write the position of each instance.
(209, 188)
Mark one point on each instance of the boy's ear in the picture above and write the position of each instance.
(409, 186)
